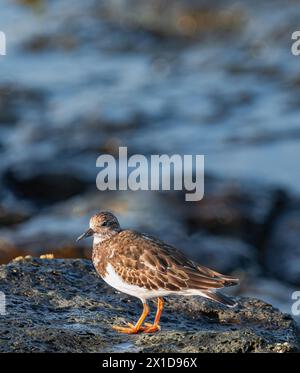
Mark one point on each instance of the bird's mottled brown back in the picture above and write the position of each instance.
(147, 262)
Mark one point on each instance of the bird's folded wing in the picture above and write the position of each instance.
(152, 264)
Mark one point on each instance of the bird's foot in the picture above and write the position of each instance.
(130, 329)
(150, 328)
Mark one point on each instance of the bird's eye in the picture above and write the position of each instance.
(104, 224)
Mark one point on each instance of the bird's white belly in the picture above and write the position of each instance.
(114, 280)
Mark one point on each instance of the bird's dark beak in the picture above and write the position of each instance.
(86, 234)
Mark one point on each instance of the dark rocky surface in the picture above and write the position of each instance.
(44, 188)
(234, 208)
(63, 306)
(177, 18)
(283, 249)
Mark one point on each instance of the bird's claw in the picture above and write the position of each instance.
(131, 329)
(150, 328)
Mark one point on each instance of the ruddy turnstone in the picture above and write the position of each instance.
(145, 267)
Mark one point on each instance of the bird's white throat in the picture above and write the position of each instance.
(98, 238)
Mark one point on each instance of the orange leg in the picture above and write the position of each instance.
(134, 329)
(151, 328)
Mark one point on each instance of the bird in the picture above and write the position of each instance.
(145, 267)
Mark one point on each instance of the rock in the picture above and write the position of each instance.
(13, 100)
(9, 251)
(234, 208)
(44, 187)
(176, 18)
(42, 42)
(282, 252)
(63, 306)
(10, 217)
(225, 254)
(271, 291)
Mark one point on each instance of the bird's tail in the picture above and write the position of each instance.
(220, 298)
(229, 280)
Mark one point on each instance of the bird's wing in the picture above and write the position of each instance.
(148, 262)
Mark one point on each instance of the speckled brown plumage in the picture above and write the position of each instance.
(147, 262)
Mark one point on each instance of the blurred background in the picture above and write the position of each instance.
(208, 77)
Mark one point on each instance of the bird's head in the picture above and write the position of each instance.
(102, 226)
